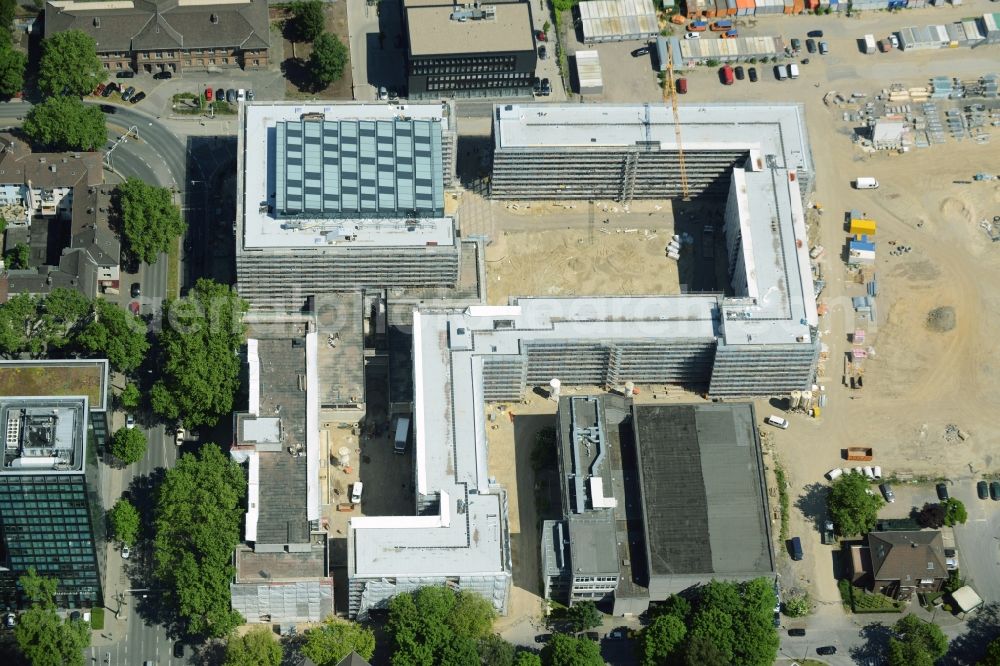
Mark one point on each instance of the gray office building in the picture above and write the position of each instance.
(623, 152)
(340, 197)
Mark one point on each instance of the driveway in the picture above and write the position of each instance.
(978, 542)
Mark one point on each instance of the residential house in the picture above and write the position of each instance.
(897, 564)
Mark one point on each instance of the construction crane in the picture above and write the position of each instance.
(669, 90)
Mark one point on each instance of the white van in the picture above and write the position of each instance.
(793, 71)
(835, 474)
(356, 492)
(776, 421)
(241, 95)
(402, 434)
(779, 72)
(865, 183)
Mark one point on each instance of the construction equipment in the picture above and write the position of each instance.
(669, 89)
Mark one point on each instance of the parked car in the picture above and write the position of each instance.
(682, 86)
(178, 649)
(796, 44)
(824, 48)
(796, 631)
(541, 36)
(138, 97)
(125, 74)
(811, 45)
(250, 95)
(9, 620)
(777, 619)
(983, 490)
(752, 74)
(220, 95)
(356, 491)
(100, 88)
(107, 108)
(815, 33)
(995, 491)
(543, 638)
(776, 421)
(692, 35)
(894, 40)
(942, 491)
(136, 290)
(163, 75)
(129, 421)
(110, 89)
(727, 75)
(231, 95)
(826, 650)
(740, 74)
(126, 552)
(887, 493)
(618, 634)
(795, 547)
(779, 72)
(208, 94)
(546, 88)
(641, 51)
(128, 93)
(133, 307)
(543, 53)
(241, 94)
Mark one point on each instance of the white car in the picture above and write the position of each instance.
(356, 490)
(126, 552)
(129, 421)
(894, 41)
(693, 35)
(777, 422)
(241, 95)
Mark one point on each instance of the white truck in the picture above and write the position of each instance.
(869, 44)
(865, 183)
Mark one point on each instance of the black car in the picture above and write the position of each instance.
(543, 52)
(777, 620)
(797, 631)
(752, 73)
(738, 70)
(983, 490)
(250, 95)
(543, 638)
(231, 96)
(220, 95)
(796, 44)
(826, 650)
(546, 88)
(179, 650)
(995, 491)
(811, 45)
(818, 34)
(107, 108)
(163, 75)
(128, 93)
(126, 74)
(641, 51)
(110, 89)
(136, 290)
(138, 98)
(942, 491)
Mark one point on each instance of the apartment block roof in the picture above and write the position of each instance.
(437, 30)
(144, 25)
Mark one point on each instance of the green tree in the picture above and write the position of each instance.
(62, 312)
(118, 335)
(955, 513)
(18, 323)
(495, 651)
(36, 325)
(309, 19)
(916, 643)
(854, 510)
(437, 625)
(674, 605)
(199, 365)
(199, 510)
(566, 650)
(583, 616)
(17, 257)
(715, 626)
(69, 64)
(65, 123)
(43, 637)
(700, 651)
(661, 640)
(8, 9)
(333, 640)
(954, 581)
(129, 445)
(150, 220)
(255, 648)
(124, 519)
(524, 658)
(130, 396)
(756, 641)
(992, 657)
(12, 64)
(327, 61)
(798, 606)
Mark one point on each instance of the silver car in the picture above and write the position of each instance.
(887, 492)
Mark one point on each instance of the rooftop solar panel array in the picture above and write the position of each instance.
(358, 168)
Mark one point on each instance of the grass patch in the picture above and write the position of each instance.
(783, 501)
(861, 601)
(55, 379)
(174, 270)
(97, 618)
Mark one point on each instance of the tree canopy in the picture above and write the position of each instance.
(333, 640)
(197, 520)
(199, 364)
(583, 615)
(129, 445)
(150, 220)
(65, 123)
(327, 60)
(17, 257)
(117, 334)
(992, 657)
(567, 650)
(255, 648)
(854, 510)
(916, 643)
(124, 518)
(662, 640)
(954, 512)
(12, 64)
(44, 637)
(69, 64)
(524, 658)
(438, 626)
(130, 396)
(309, 19)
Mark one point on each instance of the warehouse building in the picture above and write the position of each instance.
(627, 473)
(471, 50)
(339, 197)
(694, 52)
(629, 151)
(617, 20)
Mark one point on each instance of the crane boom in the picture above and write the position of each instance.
(670, 90)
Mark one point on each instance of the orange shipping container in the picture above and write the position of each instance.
(789, 8)
(799, 7)
(747, 7)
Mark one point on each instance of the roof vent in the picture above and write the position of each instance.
(214, 18)
(52, 168)
(97, 21)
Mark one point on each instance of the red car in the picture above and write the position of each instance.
(134, 308)
(540, 36)
(727, 75)
(208, 94)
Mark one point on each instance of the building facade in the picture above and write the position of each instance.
(470, 50)
(154, 36)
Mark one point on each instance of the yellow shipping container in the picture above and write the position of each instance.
(863, 227)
